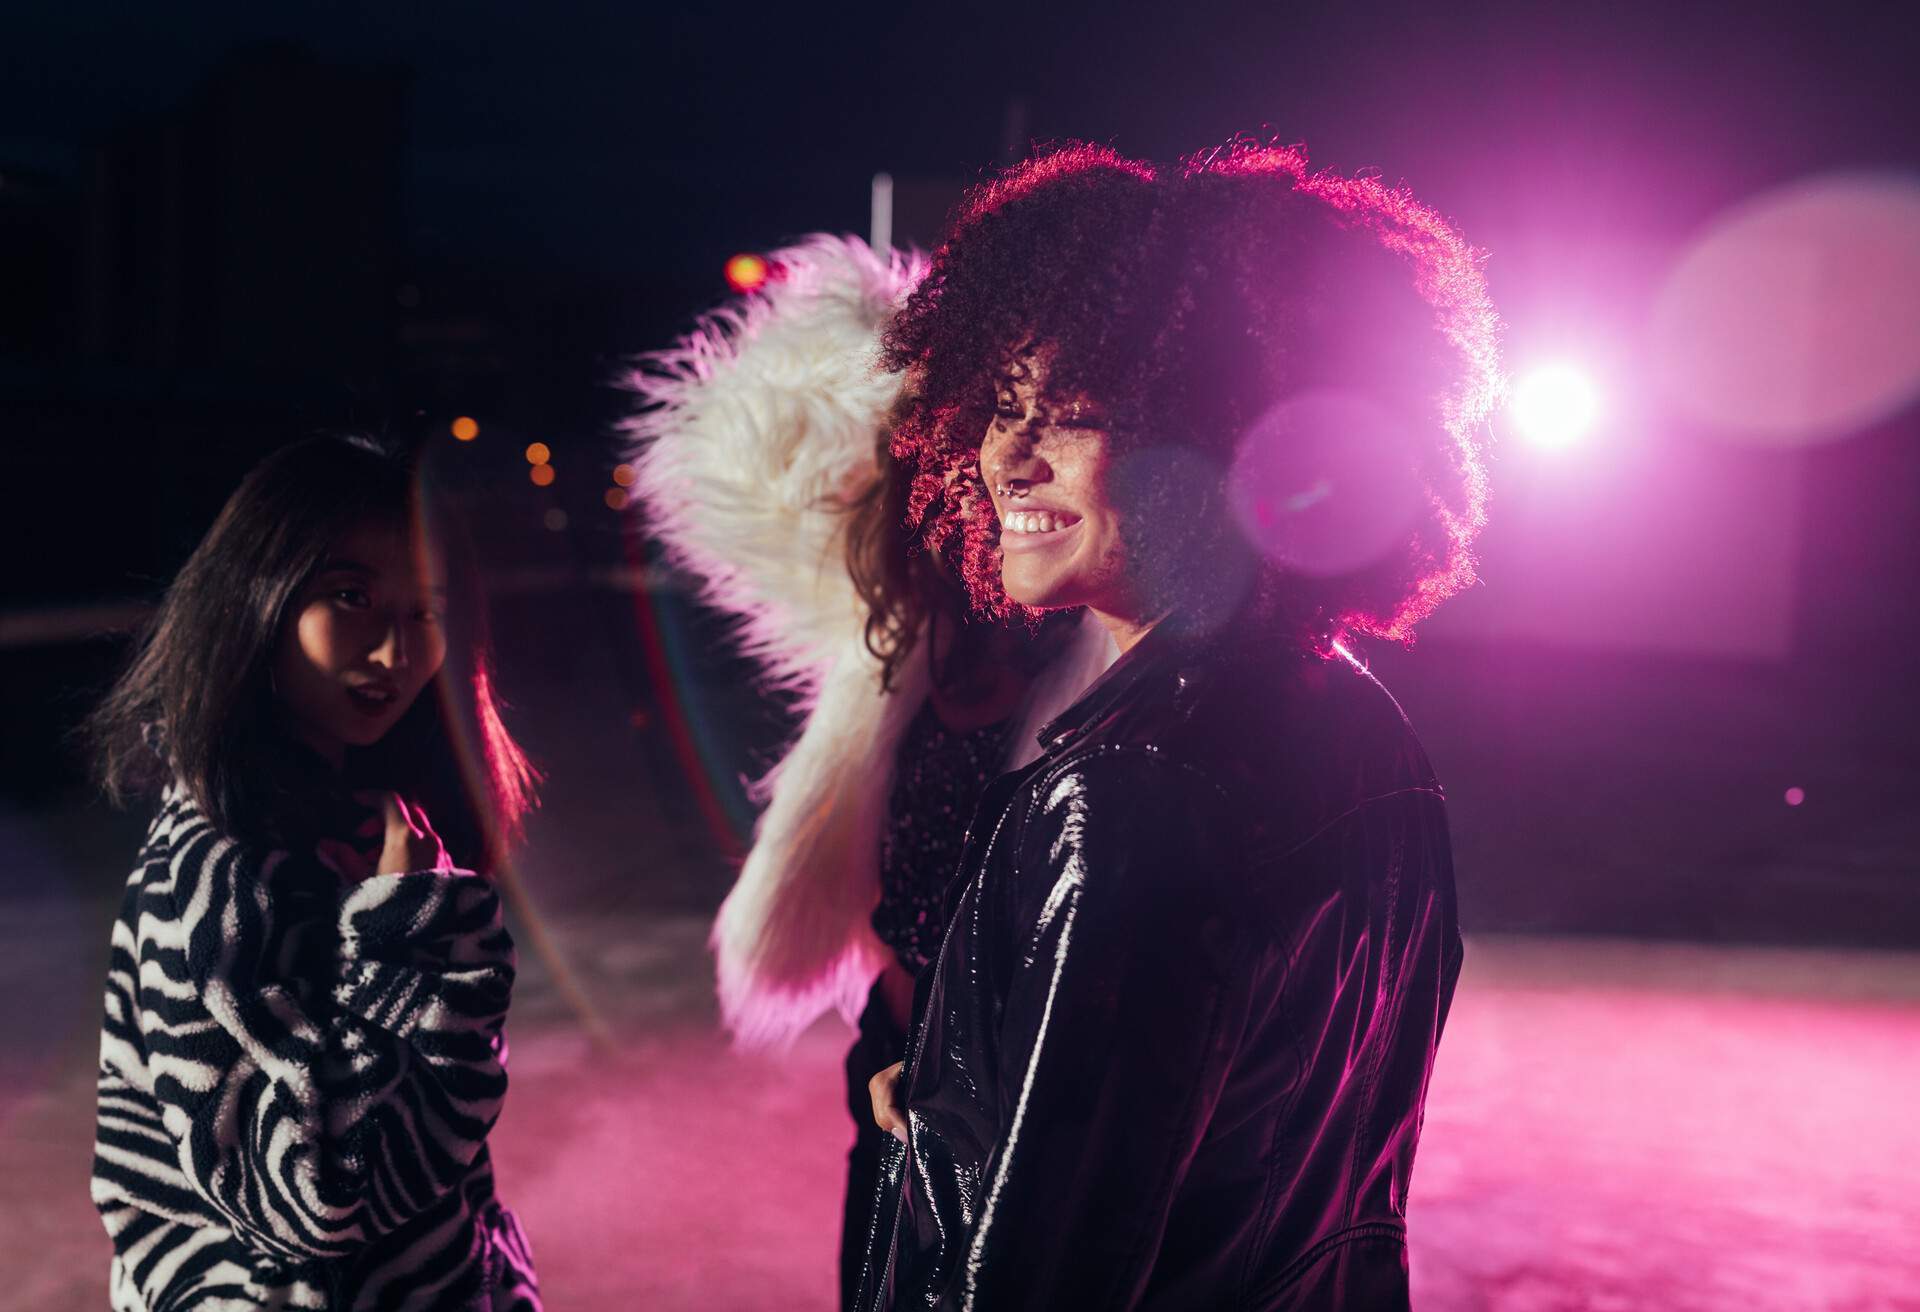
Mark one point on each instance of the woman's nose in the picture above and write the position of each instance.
(392, 651)
(1014, 458)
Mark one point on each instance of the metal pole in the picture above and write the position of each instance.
(880, 226)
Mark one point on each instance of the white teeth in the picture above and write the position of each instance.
(1035, 521)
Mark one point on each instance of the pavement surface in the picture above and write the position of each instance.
(1612, 1125)
(1679, 1073)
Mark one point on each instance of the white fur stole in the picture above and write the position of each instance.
(755, 430)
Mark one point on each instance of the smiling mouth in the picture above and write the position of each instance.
(1029, 523)
(371, 699)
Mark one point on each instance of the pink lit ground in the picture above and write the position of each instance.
(1612, 1125)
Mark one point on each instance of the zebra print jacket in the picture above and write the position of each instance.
(297, 1078)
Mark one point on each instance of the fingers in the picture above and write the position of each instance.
(417, 817)
(411, 843)
(391, 806)
(427, 841)
(398, 812)
(884, 1089)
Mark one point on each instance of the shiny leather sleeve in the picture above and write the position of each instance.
(1123, 1008)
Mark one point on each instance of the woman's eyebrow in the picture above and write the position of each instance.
(341, 565)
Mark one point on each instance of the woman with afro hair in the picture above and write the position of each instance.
(1174, 1048)
(762, 465)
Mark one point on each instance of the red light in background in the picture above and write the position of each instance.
(746, 273)
(538, 453)
(465, 429)
(542, 475)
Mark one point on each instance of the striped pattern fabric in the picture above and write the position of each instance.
(297, 1078)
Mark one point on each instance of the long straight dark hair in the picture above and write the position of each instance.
(196, 703)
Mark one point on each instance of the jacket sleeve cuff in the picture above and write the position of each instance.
(426, 956)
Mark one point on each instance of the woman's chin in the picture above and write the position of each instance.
(364, 735)
(1037, 593)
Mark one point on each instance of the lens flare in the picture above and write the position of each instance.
(1795, 318)
(1555, 406)
(1326, 482)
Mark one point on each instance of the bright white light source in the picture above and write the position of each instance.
(1555, 406)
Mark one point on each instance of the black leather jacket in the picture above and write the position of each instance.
(1175, 1046)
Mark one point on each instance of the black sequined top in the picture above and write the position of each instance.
(938, 777)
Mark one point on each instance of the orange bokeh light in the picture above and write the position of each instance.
(465, 429)
(616, 498)
(538, 454)
(745, 273)
(624, 475)
(542, 475)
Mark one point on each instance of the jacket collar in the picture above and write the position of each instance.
(1168, 646)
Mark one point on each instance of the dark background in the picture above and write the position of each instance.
(225, 226)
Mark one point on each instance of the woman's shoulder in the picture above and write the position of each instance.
(177, 821)
(186, 845)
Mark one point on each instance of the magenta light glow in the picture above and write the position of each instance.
(1795, 318)
(1555, 406)
(1324, 483)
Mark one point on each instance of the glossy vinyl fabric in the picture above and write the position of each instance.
(1174, 1048)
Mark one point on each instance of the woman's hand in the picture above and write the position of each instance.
(410, 842)
(884, 1089)
(407, 841)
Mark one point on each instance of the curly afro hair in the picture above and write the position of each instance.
(1192, 300)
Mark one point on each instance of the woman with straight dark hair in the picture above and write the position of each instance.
(302, 1052)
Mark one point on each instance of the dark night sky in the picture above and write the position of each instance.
(627, 137)
(576, 174)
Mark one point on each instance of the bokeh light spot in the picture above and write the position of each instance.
(1555, 406)
(616, 498)
(1795, 796)
(1326, 482)
(465, 429)
(746, 273)
(555, 519)
(1795, 318)
(623, 475)
(538, 453)
(542, 475)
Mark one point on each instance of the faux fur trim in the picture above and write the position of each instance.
(754, 430)
(795, 936)
(757, 427)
